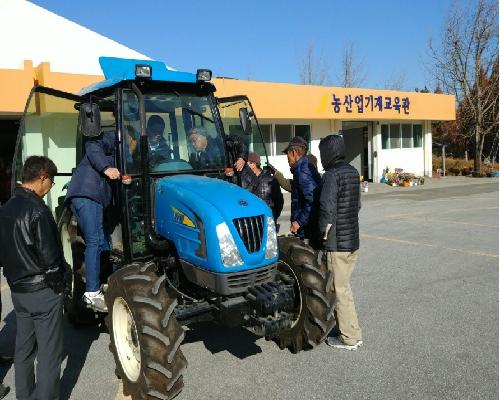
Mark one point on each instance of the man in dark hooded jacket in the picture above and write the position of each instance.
(90, 193)
(338, 223)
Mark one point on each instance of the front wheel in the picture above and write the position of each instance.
(314, 300)
(144, 332)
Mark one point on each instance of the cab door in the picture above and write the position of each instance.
(230, 111)
(48, 128)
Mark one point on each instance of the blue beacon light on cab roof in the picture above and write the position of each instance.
(122, 69)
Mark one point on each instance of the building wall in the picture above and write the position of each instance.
(274, 104)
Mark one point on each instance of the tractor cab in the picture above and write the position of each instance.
(152, 109)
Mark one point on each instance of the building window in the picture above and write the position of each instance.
(417, 135)
(283, 135)
(394, 136)
(267, 137)
(406, 136)
(385, 137)
(304, 131)
(397, 136)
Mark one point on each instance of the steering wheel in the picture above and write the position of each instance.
(173, 165)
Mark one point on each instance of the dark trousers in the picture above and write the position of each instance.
(89, 215)
(40, 335)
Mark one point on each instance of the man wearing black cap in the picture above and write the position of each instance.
(306, 188)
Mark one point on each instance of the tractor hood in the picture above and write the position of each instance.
(191, 211)
(231, 201)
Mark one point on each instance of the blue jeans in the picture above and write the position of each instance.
(89, 215)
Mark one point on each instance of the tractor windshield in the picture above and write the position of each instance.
(182, 135)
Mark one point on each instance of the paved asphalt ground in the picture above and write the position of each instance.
(426, 289)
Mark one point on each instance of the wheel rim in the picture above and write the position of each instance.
(126, 339)
(290, 272)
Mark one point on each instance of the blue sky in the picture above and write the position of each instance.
(265, 40)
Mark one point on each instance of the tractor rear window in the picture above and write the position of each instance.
(181, 131)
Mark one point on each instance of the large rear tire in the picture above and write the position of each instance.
(144, 332)
(314, 299)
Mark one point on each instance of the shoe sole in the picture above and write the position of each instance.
(345, 346)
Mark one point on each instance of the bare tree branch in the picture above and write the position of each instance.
(352, 71)
(312, 71)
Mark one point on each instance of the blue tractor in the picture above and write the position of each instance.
(188, 244)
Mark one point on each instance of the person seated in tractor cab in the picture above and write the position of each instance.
(262, 184)
(208, 151)
(159, 151)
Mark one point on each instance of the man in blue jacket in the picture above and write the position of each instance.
(306, 189)
(90, 193)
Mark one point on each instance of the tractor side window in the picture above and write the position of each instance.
(131, 133)
(137, 240)
(49, 128)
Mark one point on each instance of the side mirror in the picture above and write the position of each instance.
(245, 122)
(89, 120)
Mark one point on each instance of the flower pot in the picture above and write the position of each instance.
(394, 184)
(406, 183)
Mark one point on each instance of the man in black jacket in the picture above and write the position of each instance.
(34, 267)
(338, 223)
(262, 184)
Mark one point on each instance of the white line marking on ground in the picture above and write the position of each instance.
(470, 252)
(451, 210)
(445, 221)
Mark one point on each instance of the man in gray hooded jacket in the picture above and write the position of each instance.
(338, 223)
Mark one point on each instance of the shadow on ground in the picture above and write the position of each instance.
(237, 341)
(77, 343)
(7, 342)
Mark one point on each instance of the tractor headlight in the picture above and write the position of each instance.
(272, 240)
(228, 250)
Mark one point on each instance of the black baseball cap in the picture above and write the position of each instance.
(297, 141)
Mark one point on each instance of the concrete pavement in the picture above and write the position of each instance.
(426, 290)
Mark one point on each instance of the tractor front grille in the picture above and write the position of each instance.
(246, 279)
(251, 231)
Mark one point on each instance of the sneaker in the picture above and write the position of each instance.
(339, 344)
(95, 300)
(4, 390)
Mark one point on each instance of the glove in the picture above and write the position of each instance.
(55, 279)
(271, 167)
